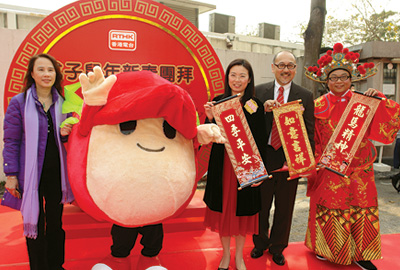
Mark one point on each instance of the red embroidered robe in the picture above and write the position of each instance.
(343, 223)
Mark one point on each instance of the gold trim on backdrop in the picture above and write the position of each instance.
(78, 25)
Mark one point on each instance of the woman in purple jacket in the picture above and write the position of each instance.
(35, 162)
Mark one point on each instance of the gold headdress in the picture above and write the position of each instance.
(340, 58)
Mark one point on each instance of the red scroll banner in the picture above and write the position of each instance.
(240, 146)
(348, 134)
(295, 142)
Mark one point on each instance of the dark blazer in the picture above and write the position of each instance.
(265, 92)
(249, 198)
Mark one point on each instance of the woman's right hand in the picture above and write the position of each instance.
(208, 110)
(66, 129)
(12, 186)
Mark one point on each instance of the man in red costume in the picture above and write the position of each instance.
(343, 219)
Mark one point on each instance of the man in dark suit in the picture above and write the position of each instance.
(279, 189)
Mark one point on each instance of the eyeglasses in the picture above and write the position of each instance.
(342, 78)
(239, 77)
(289, 66)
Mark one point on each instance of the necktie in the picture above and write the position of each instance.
(275, 139)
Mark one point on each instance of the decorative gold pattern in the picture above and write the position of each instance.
(66, 17)
(168, 18)
(23, 59)
(92, 7)
(27, 52)
(120, 5)
(98, 6)
(343, 236)
(207, 57)
(319, 102)
(146, 9)
(30, 49)
(187, 32)
(43, 34)
(218, 84)
(190, 34)
(16, 83)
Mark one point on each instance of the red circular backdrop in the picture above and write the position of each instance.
(122, 36)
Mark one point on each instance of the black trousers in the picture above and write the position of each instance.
(47, 251)
(124, 240)
(283, 193)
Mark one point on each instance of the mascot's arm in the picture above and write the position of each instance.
(208, 133)
(95, 89)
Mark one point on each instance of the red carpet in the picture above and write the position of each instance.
(187, 245)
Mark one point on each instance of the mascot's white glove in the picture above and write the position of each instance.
(209, 133)
(95, 88)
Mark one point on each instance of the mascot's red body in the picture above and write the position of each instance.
(131, 158)
(116, 180)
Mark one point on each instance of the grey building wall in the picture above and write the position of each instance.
(9, 43)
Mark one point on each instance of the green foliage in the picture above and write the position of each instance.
(364, 25)
(250, 31)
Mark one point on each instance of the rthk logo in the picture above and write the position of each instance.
(121, 40)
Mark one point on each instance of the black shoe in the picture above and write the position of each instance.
(278, 258)
(220, 268)
(396, 182)
(319, 257)
(366, 265)
(256, 253)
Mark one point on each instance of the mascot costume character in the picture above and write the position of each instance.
(132, 158)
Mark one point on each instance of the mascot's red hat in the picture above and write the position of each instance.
(143, 94)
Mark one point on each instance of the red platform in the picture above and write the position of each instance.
(187, 245)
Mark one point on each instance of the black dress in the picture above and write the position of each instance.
(229, 211)
(48, 249)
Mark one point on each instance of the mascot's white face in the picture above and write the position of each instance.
(136, 168)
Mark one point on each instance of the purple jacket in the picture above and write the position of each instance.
(14, 142)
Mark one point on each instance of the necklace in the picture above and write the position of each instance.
(45, 101)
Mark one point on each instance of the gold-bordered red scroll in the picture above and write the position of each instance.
(348, 134)
(295, 142)
(240, 146)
